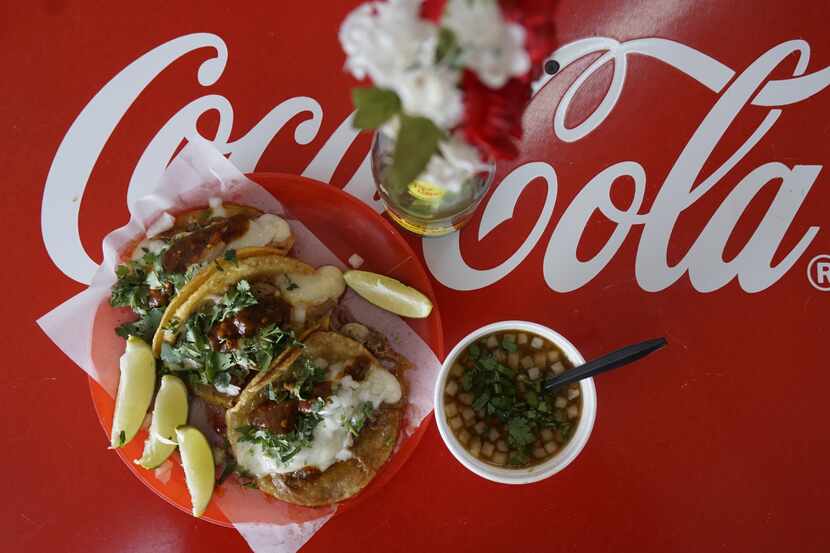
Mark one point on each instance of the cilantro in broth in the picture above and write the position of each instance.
(499, 394)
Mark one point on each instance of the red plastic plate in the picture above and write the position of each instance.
(346, 226)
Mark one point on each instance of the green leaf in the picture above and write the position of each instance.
(519, 432)
(291, 284)
(481, 401)
(357, 421)
(467, 381)
(230, 255)
(518, 458)
(153, 281)
(282, 447)
(375, 106)
(417, 142)
(447, 50)
(509, 346)
(144, 327)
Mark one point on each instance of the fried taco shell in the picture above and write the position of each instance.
(295, 285)
(371, 448)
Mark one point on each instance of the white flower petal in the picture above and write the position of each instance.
(432, 93)
(457, 163)
(382, 40)
(491, 47)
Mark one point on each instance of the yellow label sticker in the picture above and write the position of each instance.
(425, 190)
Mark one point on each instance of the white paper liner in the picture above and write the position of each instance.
(197, 174)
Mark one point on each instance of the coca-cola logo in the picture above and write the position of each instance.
(682, 186)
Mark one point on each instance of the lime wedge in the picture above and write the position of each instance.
(170, 412)
(135, 391)
(199, 470)
(389, 294)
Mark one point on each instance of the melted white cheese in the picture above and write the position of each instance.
(332, 441)
(262, 231)
(148, 244)
(216, 207)
(326, 283)
(164, 223)
(265, 229)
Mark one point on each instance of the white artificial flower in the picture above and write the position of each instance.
(431, 92)
(383, 40)
(457, 163)
(491, 46)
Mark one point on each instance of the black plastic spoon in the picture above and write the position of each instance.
(607, 362)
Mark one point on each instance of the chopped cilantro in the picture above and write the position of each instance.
(515, 401)
(136, 279)
(291, 284)
(510, 346)
(304, 375)
(481, 401)
(276, 396)
(283, 447)
(519, 433)
(144, 327)
(467, 381)
(194, 352)
(357, 421)
(518, 458)
(230, 255)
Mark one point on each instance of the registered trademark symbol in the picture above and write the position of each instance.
(818, 272)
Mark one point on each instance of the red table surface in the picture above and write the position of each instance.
(717, 443)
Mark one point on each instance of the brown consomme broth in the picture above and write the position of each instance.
(495, 406)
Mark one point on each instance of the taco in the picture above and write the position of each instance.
(177, 250)
(240, 318)
(317, 428)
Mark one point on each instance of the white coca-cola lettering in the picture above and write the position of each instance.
(85, 139)
(563, 244)
(443, 255)
(704, 263)
(562, 271)
(678, 192)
